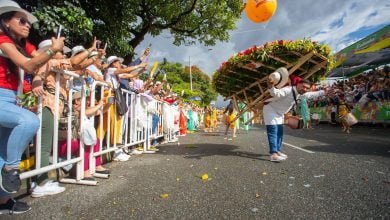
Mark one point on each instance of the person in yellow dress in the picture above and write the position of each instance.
(214, 118)
(230, 122)
(343, 110)
(207, 118)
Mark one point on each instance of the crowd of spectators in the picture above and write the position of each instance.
(42, 66)
(371, 85)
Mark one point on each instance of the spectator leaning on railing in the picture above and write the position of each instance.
(17, 125)
(44, 85)
(75, 143)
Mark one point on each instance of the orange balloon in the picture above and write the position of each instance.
(260, 10)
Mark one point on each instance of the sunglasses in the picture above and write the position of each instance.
(23, 21)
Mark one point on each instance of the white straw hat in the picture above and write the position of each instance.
(77, 49)
(8, 6)
(112, 59)
(279, 77)
(45, 44)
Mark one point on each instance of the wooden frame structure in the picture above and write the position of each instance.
(255, 91)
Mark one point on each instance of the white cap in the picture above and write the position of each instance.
(45, 44)
(112, 59)
(77, 49)
(8, 6)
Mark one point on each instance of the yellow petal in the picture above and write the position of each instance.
(205, 176)
(164, 196)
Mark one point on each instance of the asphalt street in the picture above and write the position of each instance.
(328, 175)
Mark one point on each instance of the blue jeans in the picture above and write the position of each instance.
(17, 128)
(275, 138)
(155, 120)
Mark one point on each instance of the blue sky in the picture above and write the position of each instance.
(337, 23)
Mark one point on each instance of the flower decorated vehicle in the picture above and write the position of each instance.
(243, 77)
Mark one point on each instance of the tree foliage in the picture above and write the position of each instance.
(178, 77)
(125, 23)
(77, 27)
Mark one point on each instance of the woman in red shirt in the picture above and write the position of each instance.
(17, 125)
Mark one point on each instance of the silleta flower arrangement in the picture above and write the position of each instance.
(254, 63)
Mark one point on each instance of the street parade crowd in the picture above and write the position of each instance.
(91, 103)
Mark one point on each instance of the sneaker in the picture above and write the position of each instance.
(135, 152)
(50, 188)
(121, 157)
(14, 207)
(10, 180)
(280, 154)
(276, 159)
(153, 149)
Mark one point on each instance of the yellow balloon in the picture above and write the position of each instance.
(260, 10)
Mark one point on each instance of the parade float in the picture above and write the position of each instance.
(243, 77)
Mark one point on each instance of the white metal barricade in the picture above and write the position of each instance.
(168, 116)
(69, 159)
(155, 123)
(137, 128)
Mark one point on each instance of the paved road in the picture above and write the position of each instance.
(339, 176)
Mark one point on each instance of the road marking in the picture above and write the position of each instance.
(299, 148)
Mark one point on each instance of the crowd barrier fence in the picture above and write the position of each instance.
(142, 124)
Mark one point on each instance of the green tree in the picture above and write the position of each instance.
(125, 23)
(179, 79)
(77, 26)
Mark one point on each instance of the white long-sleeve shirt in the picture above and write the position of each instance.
(281, 102)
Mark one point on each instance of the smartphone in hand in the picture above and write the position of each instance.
(58, 33)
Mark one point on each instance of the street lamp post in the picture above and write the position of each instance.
(189, 61)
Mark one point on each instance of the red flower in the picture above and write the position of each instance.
(281, 42)
(26, 86)
(248, 51)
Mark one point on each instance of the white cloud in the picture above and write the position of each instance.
(293, 20)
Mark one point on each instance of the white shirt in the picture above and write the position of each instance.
(281, 102)
(93, 69)
(111, 77)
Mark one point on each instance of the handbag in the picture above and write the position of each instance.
(88, 133)
(120, 101)
(295, 121)
(350, 119)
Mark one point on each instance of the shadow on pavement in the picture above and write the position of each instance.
(357, 148)
(197, 151)
(364, 140)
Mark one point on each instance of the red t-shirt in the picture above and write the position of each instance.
(9, 80)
